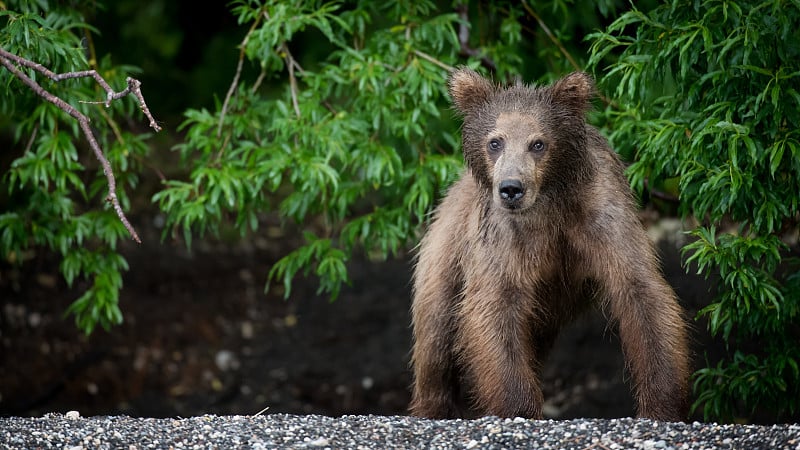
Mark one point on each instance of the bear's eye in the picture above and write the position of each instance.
(495, 145)
(537, 146)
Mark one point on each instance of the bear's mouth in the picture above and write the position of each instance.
(513, 206)
(518, 205)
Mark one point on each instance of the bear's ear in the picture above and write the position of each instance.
(575, 91)
(468, 89)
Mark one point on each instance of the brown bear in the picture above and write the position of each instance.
(541, 224)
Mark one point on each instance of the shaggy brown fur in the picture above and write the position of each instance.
(541, 224)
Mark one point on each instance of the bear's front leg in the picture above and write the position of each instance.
(432, 315)
(653, 337)
(497, 350)
(435, 379)
(652, 330)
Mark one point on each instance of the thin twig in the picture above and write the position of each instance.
(235, 82)
(290, 63)
(552, 37)
(433, 60)
(147, 163)
(134, 87)
(32, 138)
(114, 127)
(562, 49)
(259, 80)
(596, 445)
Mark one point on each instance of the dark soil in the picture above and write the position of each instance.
(201, 336)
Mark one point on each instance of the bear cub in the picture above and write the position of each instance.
(541, 225)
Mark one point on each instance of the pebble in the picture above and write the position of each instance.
(383, 432)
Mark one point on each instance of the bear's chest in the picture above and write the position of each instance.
(521, 261)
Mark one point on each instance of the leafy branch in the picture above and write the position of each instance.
(706, 101)
(8, 60)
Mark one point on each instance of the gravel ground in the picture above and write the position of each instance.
(367, 432)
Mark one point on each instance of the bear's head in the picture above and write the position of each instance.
(523, 144)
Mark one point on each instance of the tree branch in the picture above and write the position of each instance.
(433, 60)
(8, 60)
(561, 47)
(660, 194)
(463, 38)
(235, 82)
(552, 37)
(290, 64)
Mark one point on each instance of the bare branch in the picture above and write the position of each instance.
(8, 60)
(133, 87)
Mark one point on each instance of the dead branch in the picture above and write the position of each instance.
(8, 60)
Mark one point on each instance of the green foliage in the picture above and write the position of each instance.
(351, 138)
(354, 145)
(707, 94)
(359, 141)
(339, 123)
(354, 154)
(55, 187)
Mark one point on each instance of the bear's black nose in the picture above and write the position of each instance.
(511, 190)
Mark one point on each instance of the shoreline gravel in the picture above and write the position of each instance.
(58, 431)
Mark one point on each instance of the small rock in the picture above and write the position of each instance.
(367, 383)
(319, 442)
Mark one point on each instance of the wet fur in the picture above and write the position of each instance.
(493, 285)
